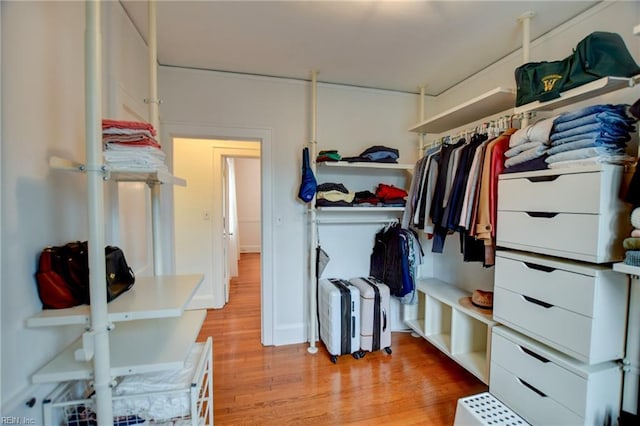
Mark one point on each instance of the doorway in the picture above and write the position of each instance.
(199, 154)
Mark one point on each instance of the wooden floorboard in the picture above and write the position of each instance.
(285, 385)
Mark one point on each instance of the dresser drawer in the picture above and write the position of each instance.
(548, 193)
(587, 237)
(571, 213)
(527, 402)
(576, 308)
(546, 387)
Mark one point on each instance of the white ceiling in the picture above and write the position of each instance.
(395, 45)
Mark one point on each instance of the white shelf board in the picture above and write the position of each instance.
(150, 297)
(367, 165)
(151, 176)
(491, 102)
(636, 30)
(440, 341)
(360, 209)
(136, 347)
(626, 269)
(450, 295)
(586, 91)
(148, 176)
(475, 362)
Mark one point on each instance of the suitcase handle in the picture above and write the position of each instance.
(384, 320)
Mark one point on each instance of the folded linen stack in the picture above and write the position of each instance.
(594, 134)
(334, 195)
(131, 145)
(528, 144)
(632, 243)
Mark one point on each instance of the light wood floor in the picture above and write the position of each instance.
(285, 385)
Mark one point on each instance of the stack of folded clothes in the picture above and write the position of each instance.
(131, 145)
(632, 243)
(333, 195)
(376, 154)
(328, 155)
(366, 199)
(594, 134)
(390, 196)
(528, 146)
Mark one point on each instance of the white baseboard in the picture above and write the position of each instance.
(250, 249)
(289, 335)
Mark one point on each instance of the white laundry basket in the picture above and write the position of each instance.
(484, 409)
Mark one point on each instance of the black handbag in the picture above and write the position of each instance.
(600, 54)
(120, 276)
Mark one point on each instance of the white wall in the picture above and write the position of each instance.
(351, 117)
(43, 115)
(247, 172)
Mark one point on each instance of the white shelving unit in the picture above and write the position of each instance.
(463, 333)
(149, 298)
(590, 90)
(486, 104)
(143, 346)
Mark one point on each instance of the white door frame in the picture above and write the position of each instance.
(171, 130)
(220, 260)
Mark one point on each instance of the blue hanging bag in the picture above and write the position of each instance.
(308, 184)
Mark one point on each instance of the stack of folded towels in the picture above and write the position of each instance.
(632, 243)
(594, 134)
(332, 194)
(131, 145)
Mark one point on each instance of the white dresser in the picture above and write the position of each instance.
(563, 309)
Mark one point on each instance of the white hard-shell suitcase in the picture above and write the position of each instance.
(339, 315)
(375, 317)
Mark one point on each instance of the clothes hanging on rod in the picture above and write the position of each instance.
(455, 190)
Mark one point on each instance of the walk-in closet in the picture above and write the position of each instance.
(445, 209)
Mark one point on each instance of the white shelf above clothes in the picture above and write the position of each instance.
(147, 175)
(627, 269)
(368, 165)
(136, 347)
(586, 91)
(486, 104)
(162, 296)
(361, 209)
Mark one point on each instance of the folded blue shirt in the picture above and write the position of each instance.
(568, 116)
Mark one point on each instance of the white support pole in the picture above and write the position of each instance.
(95, 190)
(313, 243)
(525, 20)
(421, 119)
(154, 119)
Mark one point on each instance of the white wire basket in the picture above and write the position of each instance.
(484, 409)
(173, 398)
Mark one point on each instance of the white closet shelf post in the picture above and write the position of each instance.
(154, 119)
(312, 349)
(95, 191)
(525, 20)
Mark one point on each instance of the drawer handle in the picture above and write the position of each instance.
(539, 267)
(534, 355)
(538, 302)
(542, 394)
(543, 178)
(546, 215)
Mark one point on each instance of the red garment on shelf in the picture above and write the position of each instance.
(123, 124)
(389, 192)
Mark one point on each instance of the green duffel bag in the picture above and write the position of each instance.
(598, 55)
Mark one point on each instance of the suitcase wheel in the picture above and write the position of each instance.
(388, 350)
(359, 354)
(334, 358)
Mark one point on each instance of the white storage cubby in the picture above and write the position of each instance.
(461, 332)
